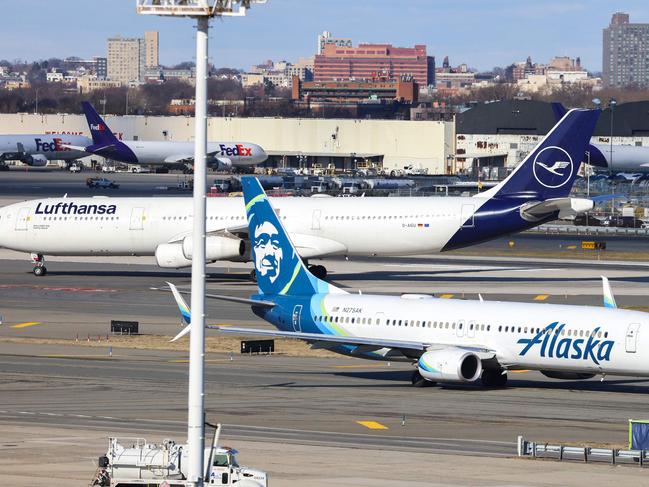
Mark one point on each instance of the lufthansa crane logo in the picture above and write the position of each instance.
(553, 167)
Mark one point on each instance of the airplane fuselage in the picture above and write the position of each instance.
(49, 146)
(318, 226)
(585, 339)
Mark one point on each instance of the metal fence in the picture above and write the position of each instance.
(583, 454)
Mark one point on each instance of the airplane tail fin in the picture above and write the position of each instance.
(280, 270)
(549, 171)
(101, 133)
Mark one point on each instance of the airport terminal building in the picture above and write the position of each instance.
(492, 138)
(290, 142)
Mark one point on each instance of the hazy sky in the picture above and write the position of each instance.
(482, 33)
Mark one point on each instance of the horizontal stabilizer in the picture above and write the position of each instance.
(565, 207)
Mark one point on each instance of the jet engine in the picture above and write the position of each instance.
(223, 164)
(450, 365)
(35, 160)
(567, 375)
(217, 248)
(170, 256)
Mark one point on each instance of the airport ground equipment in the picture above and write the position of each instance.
(133, 462)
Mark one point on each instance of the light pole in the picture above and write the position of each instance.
(611, 106)
(202, 11)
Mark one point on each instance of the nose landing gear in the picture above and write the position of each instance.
(39, 265)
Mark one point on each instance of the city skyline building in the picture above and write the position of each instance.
(374, 62)
(152, 47)
(126, 59)
(625, 53)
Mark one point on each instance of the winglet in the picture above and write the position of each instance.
(609, 299)
(184, 312)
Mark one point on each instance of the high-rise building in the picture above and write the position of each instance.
(126, 58)
(373, 62)
(151, 43)
(625, 53)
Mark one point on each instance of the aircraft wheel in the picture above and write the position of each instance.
(494, 378)
(40, 270)
(253, 275)
(419, 381)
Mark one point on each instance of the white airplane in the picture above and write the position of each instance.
(449, 340)
(529, 196)
(221, 155)
(37, 149)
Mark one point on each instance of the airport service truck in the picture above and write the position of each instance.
(133, 462)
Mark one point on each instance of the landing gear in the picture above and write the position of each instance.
(253, 275)
(319, 271)
(494, 378)
(418, 381)
(39, 267)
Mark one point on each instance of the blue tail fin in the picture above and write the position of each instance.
(549, 171)
(280, 269)
(101, 134)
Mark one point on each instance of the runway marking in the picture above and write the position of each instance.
(541, 297)
(82, 357)
(373, 425)
(65, 289)
(28, 323)
(446, 296)
(207, 361)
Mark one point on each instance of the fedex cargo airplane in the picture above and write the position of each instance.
(537, 191)
(221, 155)
(37, 149)
(446, 340)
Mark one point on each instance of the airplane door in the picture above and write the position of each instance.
(22, 219)
(297, 314)
(468, 212)
(470, 331)
(315, 223)
(461, 325)
(137, 219)
(632, 337)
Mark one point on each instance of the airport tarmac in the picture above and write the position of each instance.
(347, 421)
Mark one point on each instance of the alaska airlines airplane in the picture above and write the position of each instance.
(36, 149)
(537, 191)
(221, 155)
(449, 340)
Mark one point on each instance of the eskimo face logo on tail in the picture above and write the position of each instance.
(553, 343)
(268, 251)
(553, 167)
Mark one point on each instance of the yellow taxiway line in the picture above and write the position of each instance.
(541, 297)
(446, 296)
(25, 325)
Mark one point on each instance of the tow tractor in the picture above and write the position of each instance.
(133, 462)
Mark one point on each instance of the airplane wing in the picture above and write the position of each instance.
(330, 341)
(565, 207)
(179, 158)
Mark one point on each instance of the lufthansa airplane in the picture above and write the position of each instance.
(220, 155)
(447, 340)
(37, 149)
(537, 191)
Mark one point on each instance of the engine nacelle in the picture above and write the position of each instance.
(36, 160)
(552, 374)
(450, 365)
(223, 164)
(170, 256)
(217, 248)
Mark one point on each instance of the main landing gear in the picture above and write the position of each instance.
(494, 378)
(39, 265)
(419, 381)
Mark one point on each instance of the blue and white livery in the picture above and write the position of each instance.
(447, 340)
